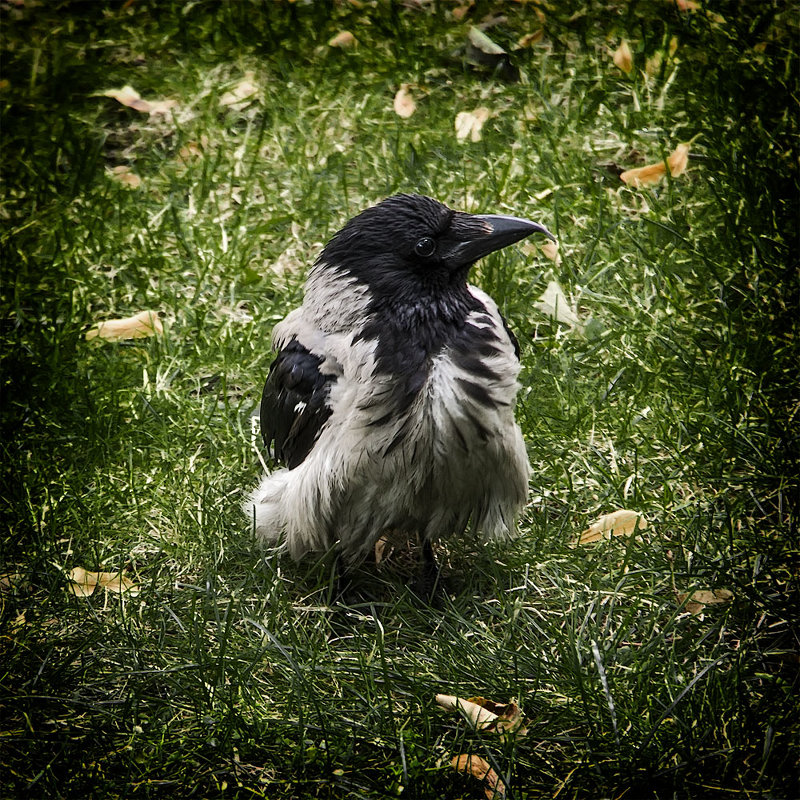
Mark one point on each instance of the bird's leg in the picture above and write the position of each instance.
(428, 581)
(342, 582)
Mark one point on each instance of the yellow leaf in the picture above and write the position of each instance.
(617, 523)
(343, 39)
(553, 303)
(381, 546)
(123, 175)
(550, 249)
(129, 97)
(652, 173)
(531, 38)
(469, 123)
(699, 599)
(653, 64)
(12, 580)
(678, 160)
(242, 94)
(459, 12)
(145, 323)
(84, 583)
(509, 716)
(623, 58)
(404, 105)
(479, 717)
(192, 150)
(479, 768)
(486, 715)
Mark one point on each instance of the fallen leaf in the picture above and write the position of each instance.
(381, 547)
(12, 580)
(531, 38)
(479, 40)
(553, 303)
(470, 123)
(123, 175)
(486, 715)
(191, 151)
(479, 717)
(699, 599)
(509, 716)
(679, 160)
(84, 583)
(129, 97)
(459, 12)
(404, 105)
(343, 39)
(690, 6)
(242, 94)
(145, 323)
(618, 523)
(481, 51)
(623, 58)
(550, 250)
(652, 173)
(479, 768)
(653, 63)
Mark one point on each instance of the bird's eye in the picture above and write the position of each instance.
(425, 247)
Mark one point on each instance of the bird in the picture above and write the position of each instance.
(391, 399)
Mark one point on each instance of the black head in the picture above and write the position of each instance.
(412, 239)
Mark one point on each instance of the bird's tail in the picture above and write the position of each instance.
(279, 519)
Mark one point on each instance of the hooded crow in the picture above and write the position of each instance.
(391, 399)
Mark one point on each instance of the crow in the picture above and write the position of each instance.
(391, 399)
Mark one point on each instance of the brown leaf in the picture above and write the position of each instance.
(653, 63)
(652, 173)
(123, 175)
(486, 715)
(618, 523)
(553, 303)
(381, 547)
(343, 39)
(129, 97)
(13, 580)
(550, 250)
(242, 94)
(479, 768)
(84, 583)
(529, 39)
(479, 717)
(145, 323)
(191, 151)
(470, 123)
(459, 12)
(700, 598)
(509, 716)
(404, 105)
(623, 58)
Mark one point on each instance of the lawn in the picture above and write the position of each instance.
(661, 663)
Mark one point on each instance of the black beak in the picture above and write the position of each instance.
(498, 231)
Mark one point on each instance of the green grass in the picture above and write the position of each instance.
(229, 675)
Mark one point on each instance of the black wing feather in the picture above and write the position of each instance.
(294, 405)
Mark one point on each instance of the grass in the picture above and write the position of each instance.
(229, 675)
